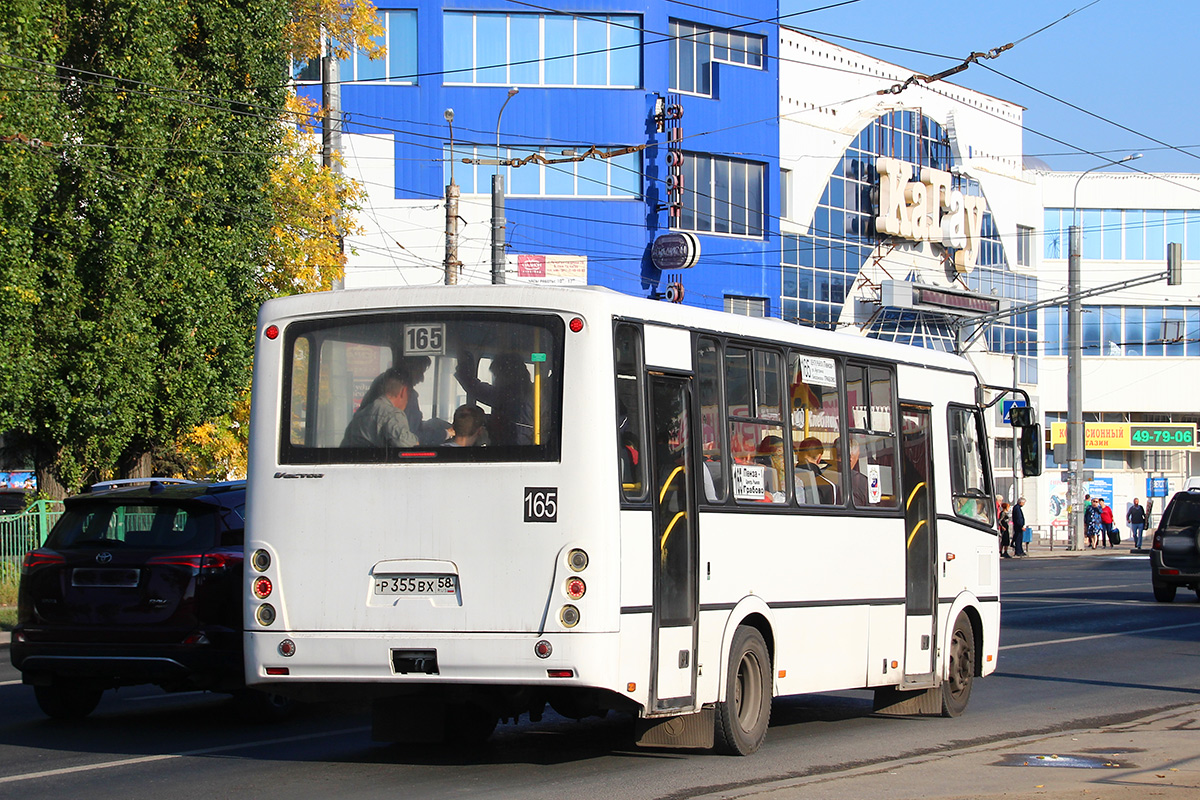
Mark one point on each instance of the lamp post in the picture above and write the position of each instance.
(452, 263)
(1075, 438)
(498, 202)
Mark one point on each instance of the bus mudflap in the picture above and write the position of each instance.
(893, 702)
(684, 730)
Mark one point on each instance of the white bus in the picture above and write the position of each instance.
(670, 512)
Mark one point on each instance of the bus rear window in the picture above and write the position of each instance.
(453, 386)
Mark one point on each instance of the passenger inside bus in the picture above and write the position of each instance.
(380, 420)
(467, 427)
(770, 455)
(510, 396)
(812, 487)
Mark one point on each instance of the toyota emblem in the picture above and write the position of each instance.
(103, 558)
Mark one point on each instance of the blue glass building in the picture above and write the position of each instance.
(596, 77)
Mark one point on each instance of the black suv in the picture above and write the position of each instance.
(1175, 554)
(139, 582)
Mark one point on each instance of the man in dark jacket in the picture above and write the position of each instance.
(1018, 528)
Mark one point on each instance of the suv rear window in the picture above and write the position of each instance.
(154, 527)
(1184, 511)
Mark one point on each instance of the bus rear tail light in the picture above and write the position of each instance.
(576, 588)
(560, 673)
(543, 649)
(278, 671)
(577, 560)
(569, 616)
(261, 560)
(265, 614)
(576, 324)
(262, 587)
(272, 332)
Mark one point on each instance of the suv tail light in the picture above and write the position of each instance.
(214, 562)
(1157, 545)
(41, 557)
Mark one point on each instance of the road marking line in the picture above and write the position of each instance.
(1074, 589)
(126, 762)
(1099, 636)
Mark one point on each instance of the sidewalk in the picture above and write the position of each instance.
(1154, 757)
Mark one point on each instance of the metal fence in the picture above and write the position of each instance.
(20, 533)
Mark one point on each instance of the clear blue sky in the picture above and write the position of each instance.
(1133, 62)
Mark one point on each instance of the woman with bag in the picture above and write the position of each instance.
(1002, 523)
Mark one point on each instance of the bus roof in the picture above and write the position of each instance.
(594, 300)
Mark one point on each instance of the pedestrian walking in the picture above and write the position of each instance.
(1002, 524)
(1018, 528)
(1106, 524)
(1091, 523)
(1135, 517)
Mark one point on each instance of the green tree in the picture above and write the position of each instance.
(149, 227)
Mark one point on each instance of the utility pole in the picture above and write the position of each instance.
(331, 123)
(498, 222)
(452, 263)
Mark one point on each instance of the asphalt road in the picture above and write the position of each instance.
(1083, 644)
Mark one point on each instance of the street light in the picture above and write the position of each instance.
(1075, 438)
(498, 202)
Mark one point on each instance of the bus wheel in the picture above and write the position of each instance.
(956, 689)
(741, 720)
(67, 702)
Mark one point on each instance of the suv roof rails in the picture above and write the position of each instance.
(138, 482)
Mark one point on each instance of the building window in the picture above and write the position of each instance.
(1024, 246)
(721, 195)
(542, 50)
(1123, 234)
(398, 65)
(785, 194)
(600, 178)
(746, 306)
(694, 49)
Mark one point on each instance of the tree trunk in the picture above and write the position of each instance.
(136, 465)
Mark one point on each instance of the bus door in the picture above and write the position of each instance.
(920, 534)
(673, 650)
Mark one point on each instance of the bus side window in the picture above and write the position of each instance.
(816, 424)
(757, 448)
(631, 444)
(969, 483)
(871, 464)
(712, 428)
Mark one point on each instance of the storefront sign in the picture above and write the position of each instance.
(1130, 436)
(928, 210)
(552, 270)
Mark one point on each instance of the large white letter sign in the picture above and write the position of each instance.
(893, 217)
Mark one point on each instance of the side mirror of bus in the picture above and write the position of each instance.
(1031, 450)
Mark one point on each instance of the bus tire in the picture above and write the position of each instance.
(67, 702)
(956, 689)
(742, 718)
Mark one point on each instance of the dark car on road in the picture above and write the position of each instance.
(137, 583)
(1175, 553)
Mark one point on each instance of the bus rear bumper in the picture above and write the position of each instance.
(395, 659)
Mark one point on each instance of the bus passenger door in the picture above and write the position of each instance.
(673, 650)
(920, 645)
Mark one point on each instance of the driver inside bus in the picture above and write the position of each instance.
(380, 421)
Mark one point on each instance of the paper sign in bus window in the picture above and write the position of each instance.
(749, 481)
